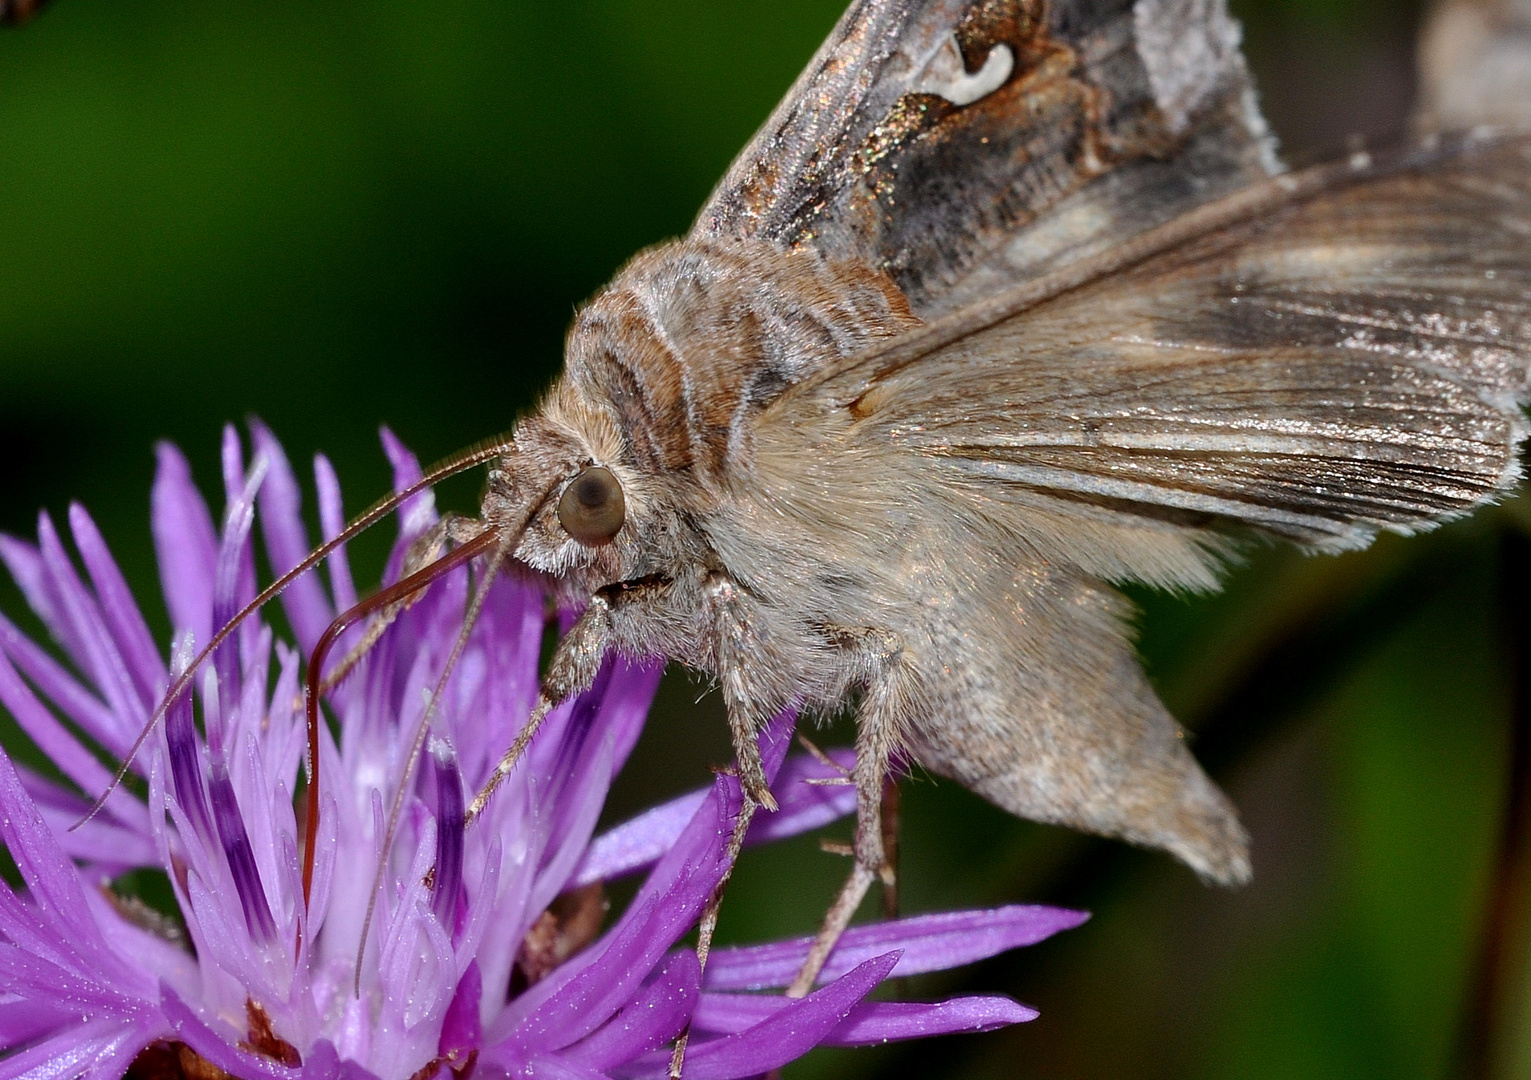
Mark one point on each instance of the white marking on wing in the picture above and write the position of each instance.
(944, 74)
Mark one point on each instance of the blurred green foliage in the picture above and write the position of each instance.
(336, 215)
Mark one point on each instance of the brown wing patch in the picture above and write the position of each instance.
(894, 152)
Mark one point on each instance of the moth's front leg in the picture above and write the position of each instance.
(742, 671)
(572, 669)
(888, 703)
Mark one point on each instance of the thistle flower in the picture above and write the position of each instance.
(484, 950)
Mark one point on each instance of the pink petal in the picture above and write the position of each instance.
(186, 543)
(929, 943)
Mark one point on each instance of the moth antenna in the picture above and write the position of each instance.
(422, 731)
(467, 459)
(420, 579)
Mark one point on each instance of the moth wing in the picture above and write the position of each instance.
(1341, 364)
(960, 146)
(1346, 363)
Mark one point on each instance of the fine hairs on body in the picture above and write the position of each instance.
(1007, 302)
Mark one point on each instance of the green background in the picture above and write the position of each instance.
(335, 215)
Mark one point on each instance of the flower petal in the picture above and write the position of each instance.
(549, 1067)
(588, 989)
(332, 522)
(87, 631)
(52, 882)
(929, 943)
(651, 1019)
(55, 683)
(790, 1032)
(640, 841)
(186, 544)
(125, 621)
(418, 512)
(51, 737)
(307, 608)
(870, 1022)
(219, 1049)
(323, 1063)
(75, 1052)
(461, 1031)
(101, 840)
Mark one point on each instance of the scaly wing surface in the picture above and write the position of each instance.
(1347, 354)
(961, 146)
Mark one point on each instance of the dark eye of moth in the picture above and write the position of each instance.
(592, 508)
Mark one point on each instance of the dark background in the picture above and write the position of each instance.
(335, 215)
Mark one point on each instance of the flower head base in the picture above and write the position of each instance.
(476, 950)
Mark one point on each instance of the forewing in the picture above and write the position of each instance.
(1331, 366)
(962, 145)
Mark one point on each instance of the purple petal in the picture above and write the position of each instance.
(24, 1020)
(241, 858)
(789, 1033)
(565, 1002)
(626, 704)
(27, 569)
(185, 543)
(929, 943)
(101, 839)
(805, 806)
(446, 884)
(874, 1022)
(623, 960)
(307, 608)
(234, 579)
(99, 657)
(126, 622)
(218, 1049)
(461, 1030)
(52, 882)
(582, 993)
(870, 1022)
(323, 1063)
(76, 1052)
(549, 1067)
(332, 522)
(417, 513)
(41, 979)
(50, 736)
(640, 841)
(77, 703)
(651, 1019)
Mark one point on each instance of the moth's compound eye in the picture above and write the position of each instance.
(593, 508)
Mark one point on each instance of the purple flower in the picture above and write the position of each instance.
(487, 949)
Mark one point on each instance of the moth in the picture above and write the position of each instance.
(1009, 302)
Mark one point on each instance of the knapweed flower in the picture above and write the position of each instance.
(488, 949)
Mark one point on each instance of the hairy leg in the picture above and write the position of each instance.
(573, 668)
(738, 655)
(886, 707)
(709, 921)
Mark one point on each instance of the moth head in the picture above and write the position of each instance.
(581, 507)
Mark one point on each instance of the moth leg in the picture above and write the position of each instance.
(422, 551)
(889, 826)
(738, 656)
(886, 706)
(708, 924)
(573, 668)
(571, 671)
